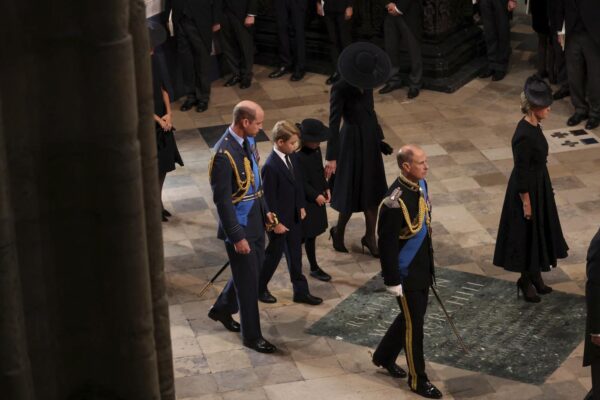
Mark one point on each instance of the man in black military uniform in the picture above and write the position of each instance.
(403, 25)
(407, 267)
(194, 22)
(238, 41)
(591, 353)
(237, 193)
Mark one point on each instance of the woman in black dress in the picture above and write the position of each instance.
(316, 190)
(167, 151)
(354, 151)
(530, 239)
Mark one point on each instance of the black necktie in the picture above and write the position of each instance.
(289, 164)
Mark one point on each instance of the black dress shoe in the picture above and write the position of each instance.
(561, 93)
(245, 83)
(234, 80)
(165, 213)
(297, 76)
(393, 369)
(229, 323)
(260, 345)
(279, 72)
(486, 73)
(498, 76)
(267, 297)
(333, 78)
(390, 87)
(426, 389)
(576, 119)
(320, 274)
(202, 106)
(308, 299)
(188, 104)
(592, 123)
(165, 219)
(413, 92)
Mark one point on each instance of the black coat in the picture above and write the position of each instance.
(540, 20)
(412, 12)
(205, 14)
(568, 11)
(360, 182)
(532, 245)
(592, 297)
(241, 8)
(336, 6)
(284, 192)
(311, 163)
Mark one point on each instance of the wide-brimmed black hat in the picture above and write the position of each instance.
(156, 33)
(537, 92)
(364, 65)
(313, 130)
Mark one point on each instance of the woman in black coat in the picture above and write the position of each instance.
(354, 151)
(316, 190)
(167, 151)
(530, 239)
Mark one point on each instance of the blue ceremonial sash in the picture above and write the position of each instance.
(242, 209)
(412, 245)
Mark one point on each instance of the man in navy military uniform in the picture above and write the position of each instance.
(406, 258)
(237, 193)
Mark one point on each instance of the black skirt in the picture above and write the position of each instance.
(167, 151)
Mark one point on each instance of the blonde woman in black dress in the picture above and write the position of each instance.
(530, 239)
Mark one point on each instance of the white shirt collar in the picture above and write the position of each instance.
(236, 137)
(280, 154)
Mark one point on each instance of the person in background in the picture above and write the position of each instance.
(238, 41)
(591, 353)
(291, 13)
(530, 238)
(403, 25)
(316, 190)
(167, 151)
(496, 31)
(284, 194)
(337, 15)
(194, 22)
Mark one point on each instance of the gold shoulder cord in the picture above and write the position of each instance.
(412, 227)
(243, 185)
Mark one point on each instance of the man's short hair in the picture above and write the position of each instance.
(243, 112)
(405, 156)
(284, 130)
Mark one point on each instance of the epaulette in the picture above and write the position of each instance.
(391, 201)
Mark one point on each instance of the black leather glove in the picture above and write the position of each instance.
(385, 148)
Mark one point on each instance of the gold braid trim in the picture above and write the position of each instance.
(413, 227)
(243, 185)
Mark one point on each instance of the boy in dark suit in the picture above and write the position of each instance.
(284, 194)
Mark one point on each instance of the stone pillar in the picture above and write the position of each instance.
(82, 206)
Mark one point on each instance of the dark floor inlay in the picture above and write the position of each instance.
(506, 337)
(212, 134)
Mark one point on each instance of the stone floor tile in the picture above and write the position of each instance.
(195, 386)
(188, 366)
(237, 379)
(313, 368)
(228, 360)
(257, 393)
(218, 342)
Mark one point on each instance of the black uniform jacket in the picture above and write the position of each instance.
(224, 184)
(205, 14)
(592, 295)
(390, 224)
(568, 11)
(336, 6)
(241, 8)
(284, 192)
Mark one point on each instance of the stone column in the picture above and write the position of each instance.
(83, 205)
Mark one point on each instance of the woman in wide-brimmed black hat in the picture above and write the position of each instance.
(354, 150)
(530, 239)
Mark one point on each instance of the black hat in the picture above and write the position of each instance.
(364, 65)
(156, 33)
(313, 130)
(537, 92)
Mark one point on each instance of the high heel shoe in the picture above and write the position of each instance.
(373, 250)
(540, 286)
(338, 243)
(528, 290)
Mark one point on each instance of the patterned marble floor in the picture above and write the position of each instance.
(467, 137)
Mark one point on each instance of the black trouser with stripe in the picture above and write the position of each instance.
(406, 332)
